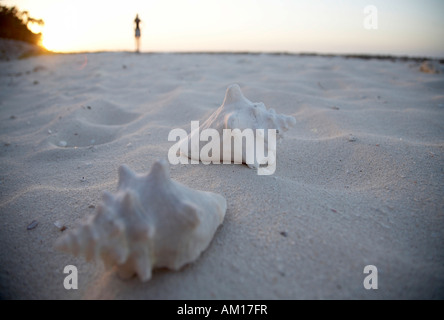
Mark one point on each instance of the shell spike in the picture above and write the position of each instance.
(107, 196)
(100, 213)
(160, 170)
(189, 215)
(143, 267)
(125, 176)
(127, 202)
(71, 242)
(233, 94)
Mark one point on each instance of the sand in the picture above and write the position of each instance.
(359, 179)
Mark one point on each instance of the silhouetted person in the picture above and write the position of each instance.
(137, 22)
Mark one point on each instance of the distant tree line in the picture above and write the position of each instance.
(14, 25)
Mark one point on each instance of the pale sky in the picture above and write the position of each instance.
(404, 27)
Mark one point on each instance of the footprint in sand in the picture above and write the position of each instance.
(94, 123)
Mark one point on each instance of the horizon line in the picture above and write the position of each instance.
(363, 56)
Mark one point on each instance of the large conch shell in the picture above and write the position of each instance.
(150, 222)
(237, 112)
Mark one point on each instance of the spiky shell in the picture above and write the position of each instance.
(237, 112)
(151, 222)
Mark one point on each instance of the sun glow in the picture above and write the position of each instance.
(74, 26)
(56, 39)
(61, 30)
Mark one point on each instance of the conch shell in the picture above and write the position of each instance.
(237, 112)
(151, 222)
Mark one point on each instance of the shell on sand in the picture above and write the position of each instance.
(237, 112)
(151, 222)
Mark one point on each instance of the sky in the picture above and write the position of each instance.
(396, 27)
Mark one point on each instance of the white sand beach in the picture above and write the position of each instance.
(359, 179)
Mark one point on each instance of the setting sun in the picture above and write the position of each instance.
(60, 30)
(64, 30)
